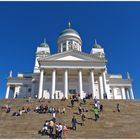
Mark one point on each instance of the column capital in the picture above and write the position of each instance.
(42, 69)
(54, 69)
(103, 70)
(80, 69)
(65, 69)
(91, 70)
(99, 74)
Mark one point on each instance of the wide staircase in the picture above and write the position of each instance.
(111, 124)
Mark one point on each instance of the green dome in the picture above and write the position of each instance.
(97, 46)
(69, 30)
(44, 44)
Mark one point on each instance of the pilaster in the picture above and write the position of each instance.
(7, 92)
(131, 93)
(53, 82)
(92, 83)
(66, 83)
(80, 84)
(41, 83)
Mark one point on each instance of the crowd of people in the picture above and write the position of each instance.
(6, 108)
(55, 129)
(20, 112)
(49, 109)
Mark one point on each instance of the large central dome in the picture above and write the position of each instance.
(70, 30)
(69, 39)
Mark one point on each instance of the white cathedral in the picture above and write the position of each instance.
(68, 72)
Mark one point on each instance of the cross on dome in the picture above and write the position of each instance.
(69, 24)
(95, 41)
(44, 40)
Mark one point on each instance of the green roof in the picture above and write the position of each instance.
(97, 46)
(70, 30)
(44, 45)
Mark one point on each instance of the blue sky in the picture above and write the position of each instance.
(115, 25)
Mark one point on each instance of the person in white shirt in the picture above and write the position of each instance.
(46, 123)
(60, 127)
(44, 130)
(54, 117)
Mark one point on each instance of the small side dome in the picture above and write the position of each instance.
(44, 44)
(43, 48)
(97, 50)
(96, 45)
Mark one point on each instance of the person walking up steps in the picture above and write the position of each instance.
(83, 118)
(101, 108)
(118, 107)
(60, 131)
(74, 122)
(80, 109)
(65, 130)
(72, 103)
(51, 127)
(96, 112)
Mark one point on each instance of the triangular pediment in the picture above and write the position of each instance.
(70, 58)
(73, 56)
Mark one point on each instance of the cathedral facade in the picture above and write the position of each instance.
(68, 72)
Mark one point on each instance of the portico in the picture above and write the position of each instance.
(65, 79)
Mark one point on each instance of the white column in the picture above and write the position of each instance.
(115, 92)
(66, 45)
(104, 83)
(53, 82)
(101, 86)
(14, 92)
(80, 84)
(66, 83)
(92, 83)
(33, 89)
(41, 84)
(127, 93)
(61, 49)
(7, 92)
(123, 93)
(120, 88)
(111, 92)
(131, 93)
